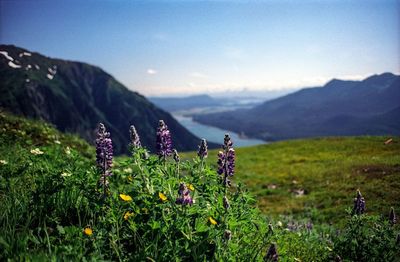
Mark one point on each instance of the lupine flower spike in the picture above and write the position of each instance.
(135, 139)
(272, 254)
(184, 197)
(392, 217)
(203, 149)
(104, 155)
(164, 141)
(226, 161)
(359, 204)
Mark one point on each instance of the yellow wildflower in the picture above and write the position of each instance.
(191, 187)
(126, 198)
(36, 151)
(88, 231)
(162, 196)
(128, 214)
(212, 221)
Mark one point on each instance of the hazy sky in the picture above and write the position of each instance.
(159, 47)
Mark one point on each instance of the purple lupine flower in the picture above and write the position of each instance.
(104, 155)
(104, 150)
(221, 162)
(272, 254)
(184, 197)
(392, 216)
(226, 161)
(175, 155)
(203, 149)
(164, 141)
(226, 203)
(135, 139)
(359, 204)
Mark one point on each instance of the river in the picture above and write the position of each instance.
(214, 134)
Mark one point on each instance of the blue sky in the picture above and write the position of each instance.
(175, 47)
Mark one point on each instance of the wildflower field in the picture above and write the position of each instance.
(62, 199)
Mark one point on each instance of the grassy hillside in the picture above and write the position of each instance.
(329, 170)
(52, 207)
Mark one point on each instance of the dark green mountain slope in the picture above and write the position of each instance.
(76, 96)
(368, 107)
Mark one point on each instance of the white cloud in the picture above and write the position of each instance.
(151, 71)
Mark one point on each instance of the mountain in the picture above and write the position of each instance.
(171, 104)
(75, 96)
(367, 107)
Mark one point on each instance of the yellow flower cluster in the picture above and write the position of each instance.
(162, 197)
(128, 214)
(88, 231)
(126, 198)
(212, 221)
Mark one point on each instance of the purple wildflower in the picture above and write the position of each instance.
(359, 204)
(175, 155)
(164, 141)
(309, 226)
(184, 195)
(135, 139)
(392, 216)
(203, 149)
(104, 154)
(272, 254)
(226, 161)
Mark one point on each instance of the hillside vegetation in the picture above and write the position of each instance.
(52, 206)
(314, 177)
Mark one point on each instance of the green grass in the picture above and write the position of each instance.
(329, 170)
(49, 194)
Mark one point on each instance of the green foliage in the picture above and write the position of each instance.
(52, 208)
(368, 238)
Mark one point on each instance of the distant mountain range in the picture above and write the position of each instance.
(339, 108)
(184, 103)
(76, 96)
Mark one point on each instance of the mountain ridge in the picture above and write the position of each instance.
(305, 113)
(75, 96)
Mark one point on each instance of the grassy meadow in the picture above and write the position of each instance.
(53, 208)
(317, 178)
